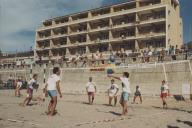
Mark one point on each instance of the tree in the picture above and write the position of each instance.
(1, 54)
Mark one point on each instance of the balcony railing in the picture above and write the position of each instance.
(43, 48)
(78, 32)
(99, 29)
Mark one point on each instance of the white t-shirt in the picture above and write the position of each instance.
(51, 82)
(126, 84)
(90, 87)
(113, 89)
(164, 88)
(19, 84)
(31, 82)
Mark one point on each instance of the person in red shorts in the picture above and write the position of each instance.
(91, 90)
(164, 93)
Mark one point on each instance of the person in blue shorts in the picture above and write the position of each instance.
(52, 87)
(126, 91)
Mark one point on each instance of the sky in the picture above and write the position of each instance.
(20, 18)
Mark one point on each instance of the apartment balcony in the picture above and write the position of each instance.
(122, 38)
(125, 6)
(78, 32)
(150, 21)
(60, 20)
(58, 36)
(55, 35)
(79, 16)
(98, 29)
(149, 3)
(45, 58)
(87, 43)
(119, 13)
(43, 48)
(76, 44)
(100, 41)
(56, 46)
(43, 38)
(123, 25)
(59, 45)
(151, 35)
(56, 57)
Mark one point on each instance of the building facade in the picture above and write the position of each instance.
(132, 25)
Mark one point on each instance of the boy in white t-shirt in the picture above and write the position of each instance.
(52, 87)
(91, 90)
(112, 92)
(126, 91)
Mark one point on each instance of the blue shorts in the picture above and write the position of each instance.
(52, 93)
(124, 96)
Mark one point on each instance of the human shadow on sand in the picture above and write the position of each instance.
(169, 126)
(176, 109)
(115, 113)
(179, 97)
(189, 123)
(107, 105)
(86, 103)
(31, 104)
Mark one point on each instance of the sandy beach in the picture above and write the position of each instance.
(74, 112)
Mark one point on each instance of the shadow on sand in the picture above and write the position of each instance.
(115, 113)
(169, 126)
(189, 123)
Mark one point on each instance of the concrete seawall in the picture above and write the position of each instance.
(148, 76)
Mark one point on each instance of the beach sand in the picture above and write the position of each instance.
(74, 112)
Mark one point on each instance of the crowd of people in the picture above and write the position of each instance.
(118, 57)
(122, 56)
